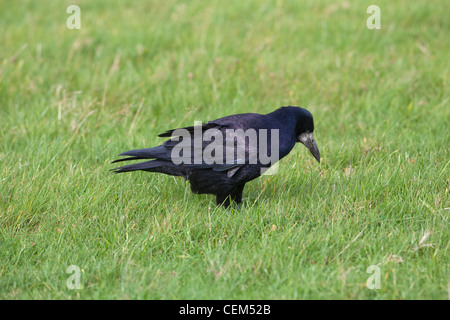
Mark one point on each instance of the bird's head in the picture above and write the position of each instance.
(304, 131)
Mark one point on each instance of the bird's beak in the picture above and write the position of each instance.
(307, 139)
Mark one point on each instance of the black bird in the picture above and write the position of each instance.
(217, 158)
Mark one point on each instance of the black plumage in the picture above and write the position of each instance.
(226, 179)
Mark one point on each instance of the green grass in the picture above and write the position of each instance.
(71, 100)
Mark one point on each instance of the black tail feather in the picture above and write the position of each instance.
(149, 153)
(126, 159)
(146, 166)
(158, 152)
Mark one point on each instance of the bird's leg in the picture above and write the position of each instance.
(223, 200)
(236, 195)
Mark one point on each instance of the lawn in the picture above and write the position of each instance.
(71, 100)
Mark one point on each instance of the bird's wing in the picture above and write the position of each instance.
(221, 145)
(209, 146)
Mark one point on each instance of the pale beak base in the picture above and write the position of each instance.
(308, 140)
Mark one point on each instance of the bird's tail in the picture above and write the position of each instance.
(161, 162)
(158, 152)
(139, 154)
(153, 165)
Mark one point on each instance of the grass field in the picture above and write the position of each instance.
(72, 100)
